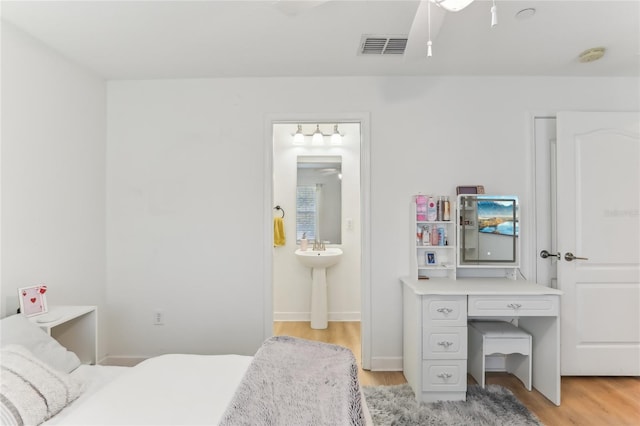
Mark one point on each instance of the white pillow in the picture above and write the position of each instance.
(31, 391)
(18, 330)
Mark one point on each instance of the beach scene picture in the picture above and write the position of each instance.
(498, 216)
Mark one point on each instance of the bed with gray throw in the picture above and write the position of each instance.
(288, 381)
(295, 381)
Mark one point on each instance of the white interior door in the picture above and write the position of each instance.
(598, 216)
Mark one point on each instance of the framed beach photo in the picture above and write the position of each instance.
(33, 300)
(431, 258)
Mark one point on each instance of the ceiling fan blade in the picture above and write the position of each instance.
(419, 33)
(295, 7)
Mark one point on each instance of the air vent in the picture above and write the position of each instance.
(383, 45)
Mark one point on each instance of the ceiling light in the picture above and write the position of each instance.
(298, 137)
(453, 5)
(592, 54)
(318, 137)
(336, 137)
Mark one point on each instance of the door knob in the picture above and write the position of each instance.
(568, 256)
(544, 254)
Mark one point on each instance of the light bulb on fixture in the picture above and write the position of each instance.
(429, 43)
(318, 137)
(453, 5)
(494, 16)
(298, 137)
(336, 137)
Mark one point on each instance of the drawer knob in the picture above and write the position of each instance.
(445, 311)
(445, 343)
(514, 306)
(445, 376)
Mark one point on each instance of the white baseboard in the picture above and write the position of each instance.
(306, 316)
(386, 364)
(122, 361)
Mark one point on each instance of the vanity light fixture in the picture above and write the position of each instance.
(298, 136)
(336, 137)
(318, 137)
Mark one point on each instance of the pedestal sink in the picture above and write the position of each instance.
(319, 261)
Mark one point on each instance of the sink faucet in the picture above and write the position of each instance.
(318, 245)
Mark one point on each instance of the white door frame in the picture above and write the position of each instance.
(539, 224)
(365, 217)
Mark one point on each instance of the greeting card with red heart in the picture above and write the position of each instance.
(32, 300)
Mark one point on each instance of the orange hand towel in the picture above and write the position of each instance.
(278, 232)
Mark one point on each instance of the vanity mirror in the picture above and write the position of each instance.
(319, 198)
(488, 231)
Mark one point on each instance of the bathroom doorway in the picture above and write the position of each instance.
(289, 299)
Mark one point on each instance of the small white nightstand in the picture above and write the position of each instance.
(75, 327)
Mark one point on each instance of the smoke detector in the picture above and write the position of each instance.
(591, 55)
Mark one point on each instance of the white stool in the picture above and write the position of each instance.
(497, 337)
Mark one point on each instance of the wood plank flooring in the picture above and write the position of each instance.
(586, 401)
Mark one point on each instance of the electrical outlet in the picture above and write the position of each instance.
(158, 318)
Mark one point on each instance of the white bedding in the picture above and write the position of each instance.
(93, 377)
(171, 389)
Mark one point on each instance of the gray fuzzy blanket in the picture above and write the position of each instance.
(294, 381)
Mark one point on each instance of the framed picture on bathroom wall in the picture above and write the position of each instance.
(33, 300)
(430, 258)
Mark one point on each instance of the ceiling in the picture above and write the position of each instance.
(205, 39)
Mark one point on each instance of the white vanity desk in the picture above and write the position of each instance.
(435, 318)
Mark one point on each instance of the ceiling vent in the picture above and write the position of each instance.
(383, 45)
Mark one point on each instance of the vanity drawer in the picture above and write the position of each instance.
(444, 375)
(517, 306)
(444, 343)
(444, 311)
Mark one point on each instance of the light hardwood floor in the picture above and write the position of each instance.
(586, 401)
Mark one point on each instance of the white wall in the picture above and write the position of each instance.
(185, 197)
(185, 168)
(53, 177)
(291, 280)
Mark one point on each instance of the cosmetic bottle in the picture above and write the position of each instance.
(447, 209)
(303, 242)
(440, 236)
(434, 236)
(432, 210)
(440, 207)
(421, 207)
(426, 235)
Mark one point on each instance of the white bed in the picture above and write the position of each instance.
(175, 389)
(171, 389)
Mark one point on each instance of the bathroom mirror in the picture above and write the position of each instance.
(319, 198)
(488, 230)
